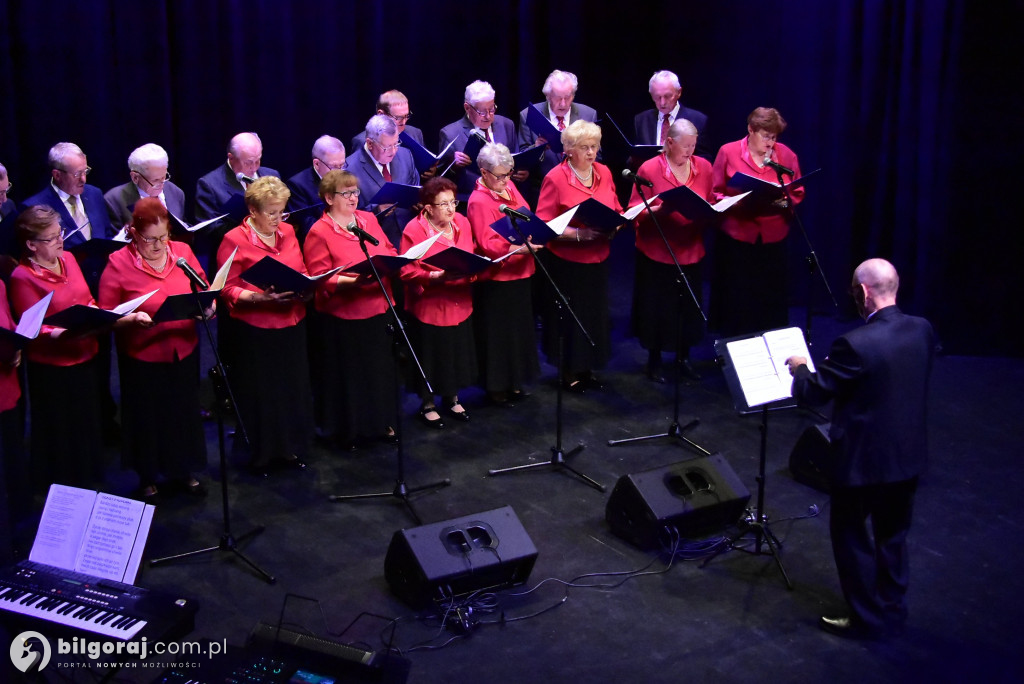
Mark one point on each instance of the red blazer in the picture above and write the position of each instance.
(560, 192)
(328, 246)
(29, 284)
(251, 249)
(684, 235)
(10, 390)
(436, 301)
(746, 223)
(128, 276)
(482, 212)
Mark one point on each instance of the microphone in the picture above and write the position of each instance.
(509, 211)
(242, 178)
(363, 235)
(639, 180)
(779, 167)
(478, 133)
(196, 279)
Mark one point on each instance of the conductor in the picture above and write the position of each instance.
(878, 377)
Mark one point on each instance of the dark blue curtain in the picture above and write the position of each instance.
(911, 109)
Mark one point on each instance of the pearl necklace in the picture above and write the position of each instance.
(579, 177)
(448, 233)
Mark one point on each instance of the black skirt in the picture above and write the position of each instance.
(749, 291)
(269, 373)
(660, 317)
(448, 356)
(586, 288)
(357, 372)
(506, 339)
(65, 423)
(161, 430)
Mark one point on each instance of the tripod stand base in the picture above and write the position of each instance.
(558, 460)
(400, 492)
(762, 533)
(227, 543)
(675, 430)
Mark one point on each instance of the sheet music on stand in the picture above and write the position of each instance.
(756, 371)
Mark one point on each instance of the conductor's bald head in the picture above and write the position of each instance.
(874, 286)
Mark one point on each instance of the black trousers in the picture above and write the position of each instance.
(869, 527)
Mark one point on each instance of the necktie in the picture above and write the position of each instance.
(387, 173)
(487, 134)
(664, 128)
(561, 122)
(73, 201)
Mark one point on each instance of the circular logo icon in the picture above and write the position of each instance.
(28, 655)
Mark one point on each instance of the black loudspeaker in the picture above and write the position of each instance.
(811, 459)
(489, 550)
(696, 497)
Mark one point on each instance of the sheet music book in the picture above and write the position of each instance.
(100, 247)
(180, 307)
(268, 273)
(26, 330)
(693, 206)
(760, 364)
(531, 156)
(387, 263)
(642, 151)
(591, 214)
(199, 226)
(397, 193)
(536, 230)
(765, 189)
(543, 128)
(93, 533)
(462, 262)
(315, 208)
(80, 318)
(422, 157)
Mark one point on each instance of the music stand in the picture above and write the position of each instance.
(683, 287)
(224, 395)
(558, 458)
(741, 383)
(401, 490)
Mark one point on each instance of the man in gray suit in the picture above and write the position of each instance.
(223, 189)
(878, 376)
(147, 168)
(381, 159)
(481, 120)
(561, 109)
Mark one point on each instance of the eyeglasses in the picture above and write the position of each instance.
(332, 167)
(78, 174)
(7, 189)
(444, 205)
(401, 119)
(389, 147)
(487, 112)
(50, 240)
(154, 183)
(153, 240)
(283, 215)
(354, 192)
(770, 137)
(498, 177)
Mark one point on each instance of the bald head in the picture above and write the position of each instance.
(875, 283)
(245, 151)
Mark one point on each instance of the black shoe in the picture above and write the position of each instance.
(847, 628)
(194, 487)
(593, 382)
(436, 423)
(687, 371)
(462, 415)
(390, 436)
(293, 463)
(654, 375)
(518, 395)
(574, 386)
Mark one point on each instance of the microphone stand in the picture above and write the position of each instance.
(227, 541)
(401, 490)
(675, 430)
(813, 265)
(558, 456)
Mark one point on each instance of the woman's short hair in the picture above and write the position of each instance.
(334, 180)
(766, 119)
(493, 155)
(32, 222)
(680, 127)
(434, 187)
(148, 211)
(578, 131)
(265, 190)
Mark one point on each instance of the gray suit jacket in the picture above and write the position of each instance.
(121, 202)
(502, 131)
(403, 170)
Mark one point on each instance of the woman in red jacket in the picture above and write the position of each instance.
(158, 365)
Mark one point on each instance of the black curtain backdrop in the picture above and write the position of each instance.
(911, 109)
